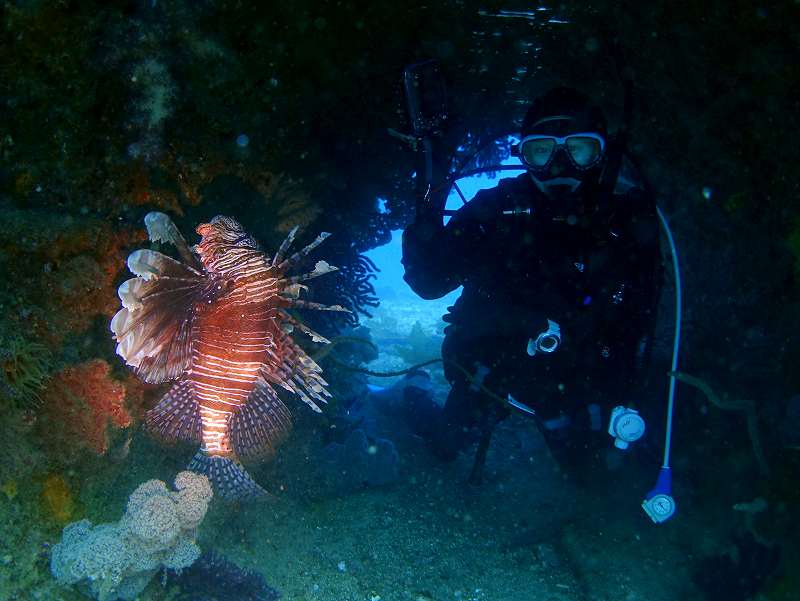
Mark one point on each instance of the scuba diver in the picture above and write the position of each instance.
(561, 273)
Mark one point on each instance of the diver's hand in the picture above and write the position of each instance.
(422, 232)
(430, 206)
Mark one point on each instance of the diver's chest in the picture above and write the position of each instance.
(553, 249)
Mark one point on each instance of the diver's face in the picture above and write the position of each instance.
(559, 176)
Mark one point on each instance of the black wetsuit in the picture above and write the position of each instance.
(523, 259)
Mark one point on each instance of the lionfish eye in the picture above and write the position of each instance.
(245, 240)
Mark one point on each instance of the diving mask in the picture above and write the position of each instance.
(584, 150)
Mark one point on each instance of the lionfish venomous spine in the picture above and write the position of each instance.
(216, 322)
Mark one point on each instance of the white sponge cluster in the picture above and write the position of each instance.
(114, 562)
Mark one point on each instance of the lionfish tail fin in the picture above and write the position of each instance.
(176, 416)
(228, 478)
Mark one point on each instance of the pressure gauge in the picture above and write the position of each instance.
(659, 507)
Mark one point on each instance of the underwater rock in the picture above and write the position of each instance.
(214, 578)
(392, 399)
(116, 561)
(739, 575)
(357, 462)
(790, 425)
(393, 411)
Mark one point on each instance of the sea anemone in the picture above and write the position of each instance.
(24, 369)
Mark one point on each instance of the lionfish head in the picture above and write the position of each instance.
(221, 236)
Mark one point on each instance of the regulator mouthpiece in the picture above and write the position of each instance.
(626, 426)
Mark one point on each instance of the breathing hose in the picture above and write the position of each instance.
(676, 342)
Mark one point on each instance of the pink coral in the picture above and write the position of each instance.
(84, 400)
(84, 259)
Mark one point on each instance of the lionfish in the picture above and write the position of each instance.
(217, 323)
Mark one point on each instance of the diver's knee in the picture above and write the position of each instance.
(448, 442)
(422, 411)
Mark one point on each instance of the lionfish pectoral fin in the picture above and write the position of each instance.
(152, 328)
(177, 415)
(260, 424)
(160, 228)
(228, 477)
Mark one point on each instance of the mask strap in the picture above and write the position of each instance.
(554, 118)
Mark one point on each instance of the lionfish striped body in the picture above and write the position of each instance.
(216, 323)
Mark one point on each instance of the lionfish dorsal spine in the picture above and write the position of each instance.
(284, 246)
(300, 254)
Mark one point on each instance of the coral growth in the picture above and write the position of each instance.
(351, 288)
(81, 403)
(420, 347)
(116, 561)
(10, 489)
(192, 498)
(21, 455)
(84, 282)
(355, 284)
(57, 498)
(285, 199)
(747, 406)
(61, 271)
(138, 188)
(138, 396)
(215, 578)
(154, 91)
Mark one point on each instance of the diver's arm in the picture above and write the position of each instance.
(426, 259)
(436, 258)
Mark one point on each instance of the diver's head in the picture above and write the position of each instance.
(563, 142)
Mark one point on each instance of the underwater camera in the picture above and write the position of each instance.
(426, 95)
